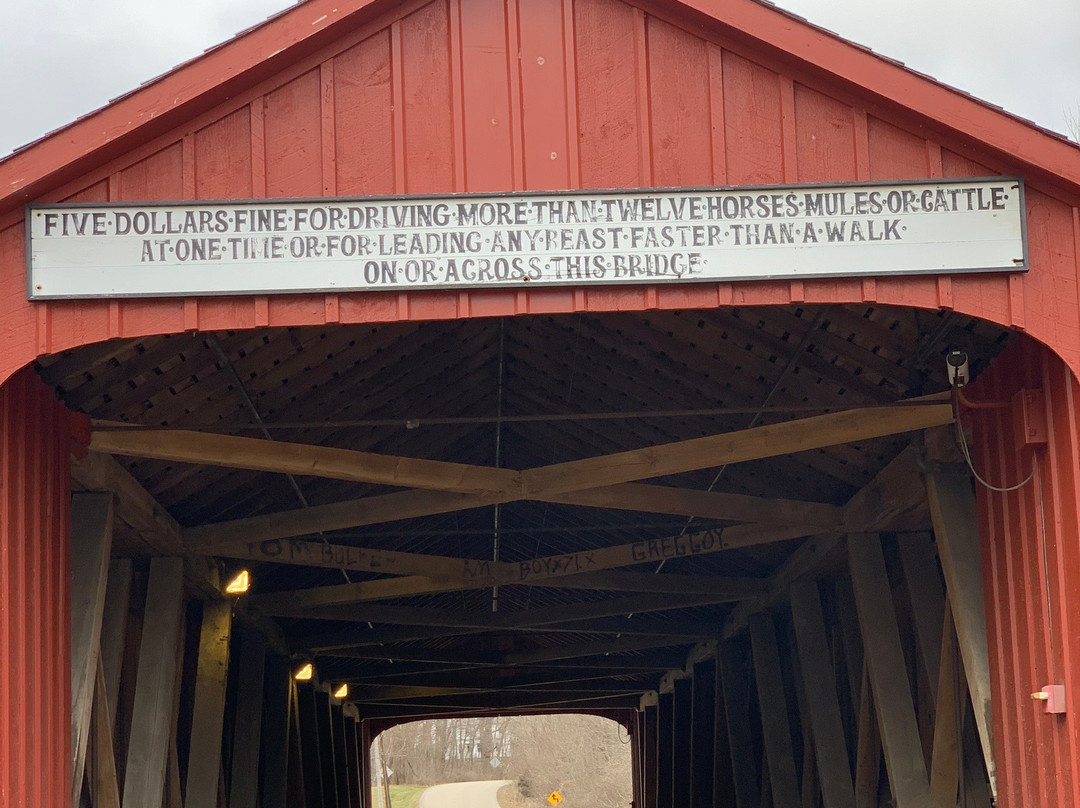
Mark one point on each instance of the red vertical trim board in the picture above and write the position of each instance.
(35, 638)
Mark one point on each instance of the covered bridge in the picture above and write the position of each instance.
(727, 498)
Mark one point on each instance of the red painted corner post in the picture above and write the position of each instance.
(1031, 569)
(37, 435)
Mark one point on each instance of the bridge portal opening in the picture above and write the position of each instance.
(703, 531)
(504, 761)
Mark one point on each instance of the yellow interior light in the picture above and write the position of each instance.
(240, 584)
(304, 672)
(342, 691)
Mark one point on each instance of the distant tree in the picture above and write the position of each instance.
(1072, 123)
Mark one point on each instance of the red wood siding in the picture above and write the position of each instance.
(35, 667)
(1031, 573)
(491, 95)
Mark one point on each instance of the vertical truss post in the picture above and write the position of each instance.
(888, 673)
(155, 684)
(822, 702)
(735, 678)
(703, 734)
(775, 721)
(91, 543)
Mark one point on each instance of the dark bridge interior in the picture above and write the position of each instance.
(738, 452)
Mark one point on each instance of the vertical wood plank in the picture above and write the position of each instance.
(952, 511)
(364, 149)
(823, 704)
(294, 138)
(752, 120)
(849, 632)
(716, 114)
(810, 787)
(543, 102)
(919, 562)
(888, 673)
(607, 102)
(247, 730)
(173, 797)
(682, 758)
(868, 749)
(775, 725)
(204, 756)
(352, 761)
(976, 787)
(735, 677)
(328, 138)
(114, 628)
(637, 732)
(91, 543)
(944, 766)
(105, 788)
(826, 137)
(723, 783)
(257, 160)
(641, 85)
(664, 729)
(223, 157)
(486, 94)
(341, 756)
(326, 762)
(648, 757)
(678, 104)
(151, 721)
(274, 769)
(297, 775)
(703, 734)
(310, 751)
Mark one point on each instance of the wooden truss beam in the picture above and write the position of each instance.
(254, 454)
(430, 661)
(699, 504)
(442, 574)
(476, 486)
(894, 500)
(493, 678)
(675, 632)
(298, 601)
(224, 538)
(591, 611)
(772, 440)
(485, 703)
(136, 507)
(372, 691)
(952, 504)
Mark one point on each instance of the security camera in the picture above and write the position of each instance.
(956, 368)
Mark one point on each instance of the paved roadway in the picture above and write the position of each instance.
(480, 794)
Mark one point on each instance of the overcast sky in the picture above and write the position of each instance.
(60, 59)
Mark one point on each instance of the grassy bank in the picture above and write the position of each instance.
(400, 796)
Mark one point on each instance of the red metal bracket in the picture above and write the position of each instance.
(1029, 418)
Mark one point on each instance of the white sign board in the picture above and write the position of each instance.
(548, 239)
